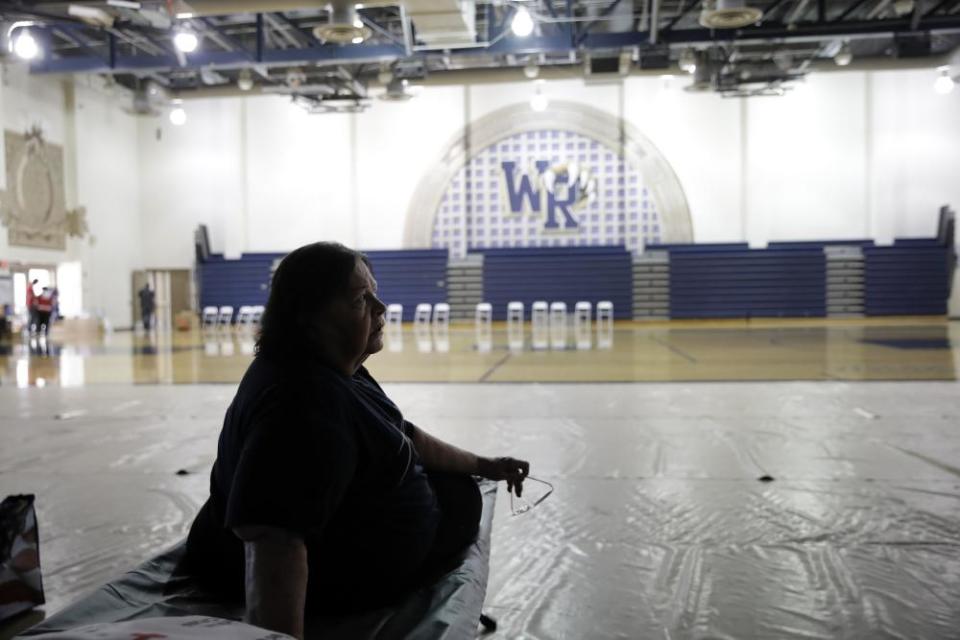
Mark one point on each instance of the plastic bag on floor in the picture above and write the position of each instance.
(21, 585)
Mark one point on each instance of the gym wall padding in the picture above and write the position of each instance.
(561, 274)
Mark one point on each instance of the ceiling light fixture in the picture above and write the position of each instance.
(688, 60)
(944, 83)
(186, 41)
(178, 115)
(531, 70)
(245, 80)
(25, 45)
(844, 56)
(522, 23)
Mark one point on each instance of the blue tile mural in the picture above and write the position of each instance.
(546, 188)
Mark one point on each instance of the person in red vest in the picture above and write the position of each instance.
(31, 307)
(44, 305)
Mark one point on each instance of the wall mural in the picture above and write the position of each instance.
(573, 176)
(32, 208)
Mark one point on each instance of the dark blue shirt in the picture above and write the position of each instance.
(324, 455)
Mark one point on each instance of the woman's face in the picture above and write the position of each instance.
(357, 317)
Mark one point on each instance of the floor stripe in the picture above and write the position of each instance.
(677, 351)
(496, 366)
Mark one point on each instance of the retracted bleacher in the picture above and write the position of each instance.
(734, 281)
(561, 274)
(405, 277)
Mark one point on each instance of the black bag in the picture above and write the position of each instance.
(21, 585)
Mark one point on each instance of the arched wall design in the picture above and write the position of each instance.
(451, 203)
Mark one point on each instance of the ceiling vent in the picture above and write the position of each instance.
(728, 14)
(344, 26)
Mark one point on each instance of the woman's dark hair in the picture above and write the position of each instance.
(305, 281)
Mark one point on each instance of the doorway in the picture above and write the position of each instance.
(171, 289)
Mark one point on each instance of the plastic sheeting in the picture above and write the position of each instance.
(448, 610)
(658, 526)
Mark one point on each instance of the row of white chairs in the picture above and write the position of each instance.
(542, 314)
(223, 316)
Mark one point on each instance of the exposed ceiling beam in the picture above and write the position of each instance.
(804, 32)
(681, 14)
(849, 11)
(654, 21)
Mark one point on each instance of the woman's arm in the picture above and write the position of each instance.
(437, 455)
(275, 577)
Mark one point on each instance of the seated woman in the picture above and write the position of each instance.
(322, 495)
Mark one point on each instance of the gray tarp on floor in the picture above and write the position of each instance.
(448, 610)
(658, 527)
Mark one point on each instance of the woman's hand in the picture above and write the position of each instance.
(510, 469)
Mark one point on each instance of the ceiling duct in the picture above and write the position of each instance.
(728, 14)
(443, 22)
(196, 8)
(344, 26)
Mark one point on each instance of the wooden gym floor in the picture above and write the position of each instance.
(890, 349)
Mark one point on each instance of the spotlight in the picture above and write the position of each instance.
(944, 83)
(178, 116)
(186, 41)
(245, 80)
(688, 60)
(539, 102)
(25, 45)
(903, 7)
(844, 56)
(522, 23)
(357, 40)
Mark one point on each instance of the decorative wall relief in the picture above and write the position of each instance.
(570, 176)
(32, 208)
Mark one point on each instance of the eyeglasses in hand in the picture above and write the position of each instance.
(519, 505)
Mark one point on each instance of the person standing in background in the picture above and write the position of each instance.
(31, 307)
(147, 305)
(44, 306)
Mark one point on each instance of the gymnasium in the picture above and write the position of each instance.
(694, 260)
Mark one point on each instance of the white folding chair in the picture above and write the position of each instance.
(421, 316)
(209, 317)
(244, 315)
(604, 324)
(539, 318)
(394, 316)
(581, 324)
(604, 313)
(441, 316)
(514, 312)
(483, 318)
(225, 316)
(558, 325)
(256, 314)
